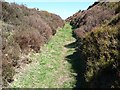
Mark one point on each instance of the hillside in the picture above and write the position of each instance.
(97, 34)
(24, 30)
(95, 15)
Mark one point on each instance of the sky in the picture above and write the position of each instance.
(63, 9)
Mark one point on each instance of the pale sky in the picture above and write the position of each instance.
(59, 7)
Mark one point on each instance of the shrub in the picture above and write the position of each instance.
(97, 14)
(7, 70)
(101, 48)
(115, 20)
(38, 23)
(54, 21)
(29, 38)
(10, 53)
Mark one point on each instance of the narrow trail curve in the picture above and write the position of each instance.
(49, 68)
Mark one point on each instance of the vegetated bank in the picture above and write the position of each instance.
(23, 30)
(97, 34)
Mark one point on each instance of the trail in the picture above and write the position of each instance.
(49, 68)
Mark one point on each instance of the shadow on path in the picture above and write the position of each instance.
(71, 45)
(78, 65)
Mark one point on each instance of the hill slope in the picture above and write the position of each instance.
(24, 30)
(97, 34)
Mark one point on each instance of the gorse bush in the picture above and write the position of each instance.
(115, 20)
(101, 49)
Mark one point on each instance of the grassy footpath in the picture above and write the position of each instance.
(49, 68)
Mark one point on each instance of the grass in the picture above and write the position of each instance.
(49, 68)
